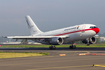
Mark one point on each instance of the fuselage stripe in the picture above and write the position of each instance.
(75, 31)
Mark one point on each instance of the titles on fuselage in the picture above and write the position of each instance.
(70, 28)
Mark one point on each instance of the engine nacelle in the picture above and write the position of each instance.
(56, 41)
(91, 40)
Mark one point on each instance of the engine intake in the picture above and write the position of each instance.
(56, 41)
(91, 40)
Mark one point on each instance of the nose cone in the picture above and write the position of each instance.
(96, 30)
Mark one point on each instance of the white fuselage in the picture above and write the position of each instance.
(75, 33)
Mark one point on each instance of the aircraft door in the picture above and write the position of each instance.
(82, 30)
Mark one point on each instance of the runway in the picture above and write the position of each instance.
(71, 61)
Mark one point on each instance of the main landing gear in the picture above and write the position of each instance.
(52, 47)
(72, 47)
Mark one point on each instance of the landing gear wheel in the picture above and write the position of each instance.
(88, 44)
(73, 47)
(52, 47)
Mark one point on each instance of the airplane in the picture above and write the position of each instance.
(83, 32)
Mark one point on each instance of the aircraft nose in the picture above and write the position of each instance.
(97, 30)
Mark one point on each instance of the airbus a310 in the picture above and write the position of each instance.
(83, 32)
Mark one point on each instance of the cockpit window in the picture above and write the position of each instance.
(93, 27)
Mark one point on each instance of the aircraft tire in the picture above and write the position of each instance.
(88, 44)
(73, 47)
(52, 47)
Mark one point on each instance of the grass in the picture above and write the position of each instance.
(92, 46)
(25, 54)
(28, 54)
(47, 46)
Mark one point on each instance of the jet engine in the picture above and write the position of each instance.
(56, 41)
(91, 40)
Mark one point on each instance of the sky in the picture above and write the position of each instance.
(49, 14)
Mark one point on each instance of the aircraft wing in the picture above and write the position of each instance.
(35, 37)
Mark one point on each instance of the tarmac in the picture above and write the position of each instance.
(60, 59)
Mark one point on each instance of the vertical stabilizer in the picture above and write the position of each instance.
(32, 26)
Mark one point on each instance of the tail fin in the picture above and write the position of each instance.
(32, 26)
